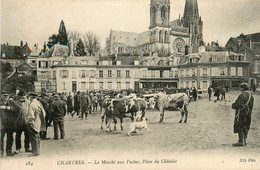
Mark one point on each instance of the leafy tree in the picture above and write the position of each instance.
(6, 70)
(62, 37)
(92, 43)
(52, 40)
(80, 48)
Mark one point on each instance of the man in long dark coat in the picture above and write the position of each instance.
(243, 106)
(9, 113)
(77, 103)
(57, 114)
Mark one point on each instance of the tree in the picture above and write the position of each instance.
(6, 70)
(52, 40)
(73, 37)
(80, 48)
(92, 43)
(62, 37)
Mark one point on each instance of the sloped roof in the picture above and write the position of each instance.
(79, 61)
(127, 60)
(255, 37)
(57, 51)
(256, 48)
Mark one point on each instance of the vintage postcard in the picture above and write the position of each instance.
(130, 84)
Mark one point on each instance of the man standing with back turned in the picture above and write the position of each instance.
(243, 106)
(57, 114)
(36, 123)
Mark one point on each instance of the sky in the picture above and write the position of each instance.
(33, 21)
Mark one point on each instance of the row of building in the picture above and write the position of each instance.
(171, 54)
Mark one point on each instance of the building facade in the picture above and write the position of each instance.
(46, 81)
(163, 35)
(250, 46)
(226, 69)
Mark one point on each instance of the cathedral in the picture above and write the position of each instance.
(181, 36)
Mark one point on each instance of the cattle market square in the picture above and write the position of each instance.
(209, 129)
(166, 94)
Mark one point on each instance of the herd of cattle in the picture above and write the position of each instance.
(134, 108)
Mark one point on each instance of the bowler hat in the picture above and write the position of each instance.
(4, 93)
(33, 94)
(244, 86)
(21, 93)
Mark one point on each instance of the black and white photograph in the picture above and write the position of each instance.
(130, 84)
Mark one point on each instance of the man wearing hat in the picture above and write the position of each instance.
(243, 106)
(43, 99)
(58, 111)
(24, 105)
(35, 122)
(9, 111)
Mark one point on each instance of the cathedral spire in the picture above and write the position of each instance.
(191, 12)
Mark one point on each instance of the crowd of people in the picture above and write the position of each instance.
(32, 114)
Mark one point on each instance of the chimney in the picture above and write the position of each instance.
(21, 43)
(44, 47)
(250, 43)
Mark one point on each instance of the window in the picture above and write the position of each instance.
(109, 73)
(91, 85)
(161, 74)
(193, 83)
(74, 74)
(152, 73)
(33, 61)
(188, 72)
(83, 73)
(92, 73)
(222, 71)
(83, 85)
(127, 73)
(64, 85)
(240, 71)
(127, 85)
(43, 64)
(193, 72)
(64, 73)
(118, 73)
(100, 73)
(187, 84)
(176, 74)
(101, 85)
(181, 73)
(233, 71)
(204, 71)
(118, 85)
(109, 85)
(144, 73)
(170, 73)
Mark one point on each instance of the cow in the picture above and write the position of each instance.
(133, 108)
(106, 112)
(173, 102)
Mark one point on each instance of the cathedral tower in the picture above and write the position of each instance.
(159, 13)
(192, 21)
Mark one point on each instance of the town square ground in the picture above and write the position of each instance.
(206, 138)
